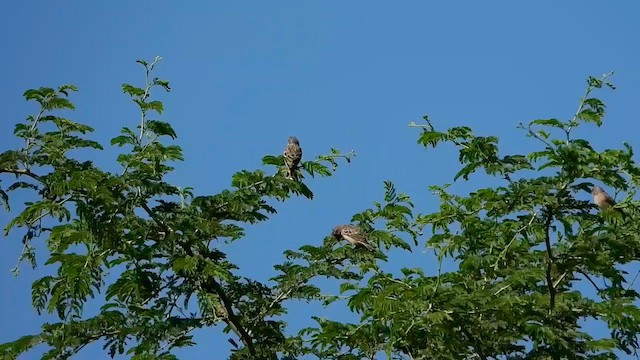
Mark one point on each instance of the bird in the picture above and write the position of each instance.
(352, 234)
(602, 199)
(292, 157)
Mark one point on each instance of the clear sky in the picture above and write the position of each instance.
(350, 75)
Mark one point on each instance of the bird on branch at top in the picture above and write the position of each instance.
(292, 157)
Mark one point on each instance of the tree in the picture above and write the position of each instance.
(520, 249)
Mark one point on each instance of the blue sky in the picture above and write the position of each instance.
(349, 75)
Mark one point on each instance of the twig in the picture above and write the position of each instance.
(21, 172)
(30, 225)
(147, 88)
(503, 253)
(430, 127)
(61, 202)
(508, 178)
(538, 137)
(435, 288)
(220, 206)
(501, 289)
(155, 218)
(557, 282)
(581, 105)
(140, 153)
(400, 282)
(590, 280)
(183, 333)
(90, 339)
(547, 241)
(634, 280)
(231, 318)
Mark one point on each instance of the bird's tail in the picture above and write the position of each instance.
(292, 174)
(366, 246)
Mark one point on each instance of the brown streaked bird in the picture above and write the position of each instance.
(602, 199)
(292, 157)
(352, 234)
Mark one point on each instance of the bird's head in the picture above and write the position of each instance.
(597, 190)
(293, 140)
(337, 232)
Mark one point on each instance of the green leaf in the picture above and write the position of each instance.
(549, 122)
(273, 160)
(154, 105)
(164, 84)
(122, 140)
(132, 90)
(161, 128)
(64, 89)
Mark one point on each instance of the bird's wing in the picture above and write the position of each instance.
(353, 233)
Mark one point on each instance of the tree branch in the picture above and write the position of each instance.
(532, 133)
(503, 253)
(590, 280)
(155, 218)
(21, 172)
(183, 333)
(581, 105)
(232, 319)
(547, 242)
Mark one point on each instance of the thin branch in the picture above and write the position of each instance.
(280, 297)
(30, 225)
(439, 278)
(37, 119)
(415, 125)
(557, 282)
(220, 206)
(232, 319)
(503, 253)
(33, 127)
(90, 339)
(547, 242)
(140, 153)
(581, 104)
(400, 282)
(320, 158)
(502, 289)
(477, 345)
(508, 178)
(21, 172)
(634, 280)
(61, 202)
(590, 280)
(155, 218)
(532, 133)
(143, 115)
(183, 333)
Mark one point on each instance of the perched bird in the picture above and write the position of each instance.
(352, 235)
(602, 199)
(292, 157)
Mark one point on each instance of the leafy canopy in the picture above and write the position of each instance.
(532, 260)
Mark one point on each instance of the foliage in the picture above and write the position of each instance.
(523, 250)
